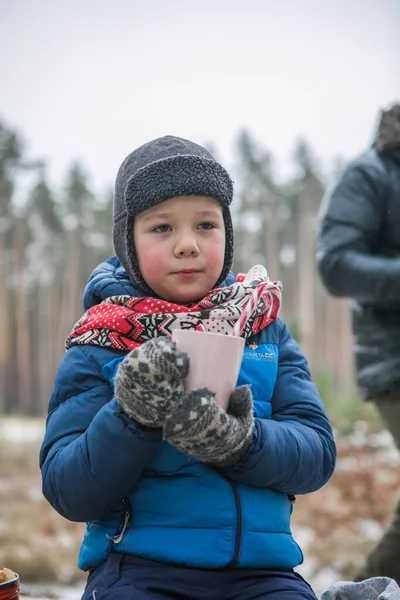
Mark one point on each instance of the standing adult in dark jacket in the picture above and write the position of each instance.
(359, 258)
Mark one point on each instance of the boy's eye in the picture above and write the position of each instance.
(206, 225)
(162, 228)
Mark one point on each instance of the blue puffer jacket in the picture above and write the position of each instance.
(140, 495)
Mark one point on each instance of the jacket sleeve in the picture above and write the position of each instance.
(349, 237)
(293, 452)
(92, 454)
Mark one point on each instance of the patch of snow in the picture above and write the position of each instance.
(35, 494)
(66, 540)
(21, 430)
(324, 580)
(319, 579)
(369, 529)
(303, 535)
(50, 592)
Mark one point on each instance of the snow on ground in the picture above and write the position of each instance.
(17, 431)
(50, 592)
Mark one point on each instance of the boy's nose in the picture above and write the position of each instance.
(186, 245)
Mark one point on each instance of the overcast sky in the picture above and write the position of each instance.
(93, 79)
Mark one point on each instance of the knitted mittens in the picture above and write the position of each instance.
(150, 380)
(149, 387)
(200, 428)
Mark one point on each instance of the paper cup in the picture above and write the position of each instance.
(215, 361)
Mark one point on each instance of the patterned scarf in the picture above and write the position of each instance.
(125, 322)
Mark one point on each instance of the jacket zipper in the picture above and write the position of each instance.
(235, 558)
(117, 538)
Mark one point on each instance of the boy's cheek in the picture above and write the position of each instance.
(151, 263)
(149, 253)
(215, 255)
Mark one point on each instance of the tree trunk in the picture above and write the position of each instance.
(22, 324)
(306, 273)
(4, 321)
(271, 238)
(71, 287)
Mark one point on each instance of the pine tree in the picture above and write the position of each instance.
(46, 266)
(10, 160)
(78, 207)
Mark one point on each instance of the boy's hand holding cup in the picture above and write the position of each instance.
(199, 412)
(150, 380)
(201, 428)
(212, 421)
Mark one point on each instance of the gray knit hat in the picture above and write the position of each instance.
(388, 133)
(165, 168)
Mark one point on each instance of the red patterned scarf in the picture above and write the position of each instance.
(125, 322)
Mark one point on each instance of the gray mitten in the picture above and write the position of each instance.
(150, 380)
(200, 428)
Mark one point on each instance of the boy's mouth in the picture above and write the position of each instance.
(187, 273)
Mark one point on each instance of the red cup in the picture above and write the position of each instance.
(9, 590)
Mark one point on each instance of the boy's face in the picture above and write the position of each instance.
(180, 247)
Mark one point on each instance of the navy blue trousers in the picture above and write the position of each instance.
(125, 577)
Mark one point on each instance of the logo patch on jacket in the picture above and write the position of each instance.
(260, 369)
(259, 355)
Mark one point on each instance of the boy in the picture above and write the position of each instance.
(181, 499)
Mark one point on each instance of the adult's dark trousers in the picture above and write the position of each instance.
(384, 560)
